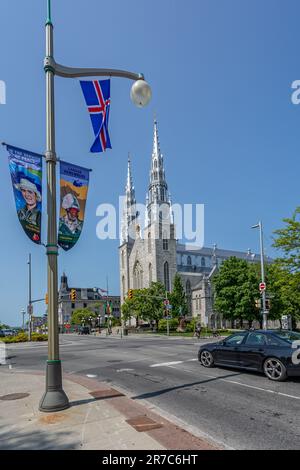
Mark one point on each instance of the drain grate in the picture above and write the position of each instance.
(14, 396)
(143, 423)
(108, 393)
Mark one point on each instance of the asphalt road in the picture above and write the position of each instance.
(239, 409)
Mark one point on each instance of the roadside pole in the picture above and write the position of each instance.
(167, 305)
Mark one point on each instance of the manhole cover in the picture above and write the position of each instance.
(14, 396)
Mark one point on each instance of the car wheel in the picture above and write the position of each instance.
(274, 369)
(206, 358)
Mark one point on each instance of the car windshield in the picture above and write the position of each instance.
(288, 335)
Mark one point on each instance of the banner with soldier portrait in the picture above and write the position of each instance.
(74, 183)
(26, 176)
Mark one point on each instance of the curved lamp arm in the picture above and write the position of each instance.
(74, 72)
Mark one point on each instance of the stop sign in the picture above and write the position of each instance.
(68, 326)
(262, 286)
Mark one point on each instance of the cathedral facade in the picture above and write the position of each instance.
(149, 251)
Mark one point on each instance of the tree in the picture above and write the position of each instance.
(146, 304)
(82, 315)
(288, 240)
(178, 298)
(236, 288)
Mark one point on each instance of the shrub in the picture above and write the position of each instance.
(173, 324)
(23, 337)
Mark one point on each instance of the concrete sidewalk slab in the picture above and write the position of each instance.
(102, 423)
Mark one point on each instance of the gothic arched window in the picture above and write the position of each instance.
(203, 262)
(137, 276)
(167, 276)
(165, 241)
(149, 242)
(188, 287)
(189, 261)
(150, 274)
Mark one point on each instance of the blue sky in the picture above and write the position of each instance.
(221, 74)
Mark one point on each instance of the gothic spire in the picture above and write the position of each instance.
(158, 188)
(129, 211)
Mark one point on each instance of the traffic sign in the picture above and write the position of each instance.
(169, 307)
(68, 326)
(262, 286)
(166, 302)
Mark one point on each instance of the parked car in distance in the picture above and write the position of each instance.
(7, 332)
(84, 330)
(2, 334)
(273, 352)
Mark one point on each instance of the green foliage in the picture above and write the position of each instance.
(178, 298)
(82, 316)
(173, 324)
(146, 304)
(191, 325)
(288, 241)
(236, 288)
(23, 338)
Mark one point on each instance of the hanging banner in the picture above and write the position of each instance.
(74, 183)
(26, 176)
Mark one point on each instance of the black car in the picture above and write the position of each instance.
(273, 352)
(84, 330)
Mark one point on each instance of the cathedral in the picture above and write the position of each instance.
(149, 251)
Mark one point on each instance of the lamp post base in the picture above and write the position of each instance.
(54, 399)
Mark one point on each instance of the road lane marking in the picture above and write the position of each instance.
(124, 370)
(91, 376)
(166, 364)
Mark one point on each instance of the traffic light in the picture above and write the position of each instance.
(130, 294)
(258, 303)
(73, 294)
(46, 299)
(268, 304)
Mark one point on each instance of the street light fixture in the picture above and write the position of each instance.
(54, 398)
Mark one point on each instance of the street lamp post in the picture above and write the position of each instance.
(23, 312)
(262, 264)
(54, 398)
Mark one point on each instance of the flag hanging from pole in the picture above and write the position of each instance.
(26, 176)
(97, 98)
(74, 183)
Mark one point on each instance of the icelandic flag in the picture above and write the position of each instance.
(97, 97)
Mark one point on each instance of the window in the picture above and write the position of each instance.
(273, 341)
(255, 339)
(188, 287)
(123, 259)
(72, 306)
(150, 274)
(197, 303)
(203, 262)
(189, 261)
(165, 244)
(137, 276)
(235, 339)
(84, 305)
(149, 242)
(166, 276)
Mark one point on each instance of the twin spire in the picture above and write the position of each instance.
(158, 188)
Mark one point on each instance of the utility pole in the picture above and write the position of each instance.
(29, 298)
(262, 264)
(54, 398)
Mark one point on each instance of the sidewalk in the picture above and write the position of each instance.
(100, 418)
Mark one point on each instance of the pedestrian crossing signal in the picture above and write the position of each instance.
(73, 294)
(130, 294)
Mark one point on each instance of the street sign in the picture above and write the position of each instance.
(262, 286)
(166, 302)
(68, 326)
(169, 307)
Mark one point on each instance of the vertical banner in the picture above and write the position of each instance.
(26, 176)
(74, 183)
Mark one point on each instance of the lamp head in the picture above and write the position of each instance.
(140, 93)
